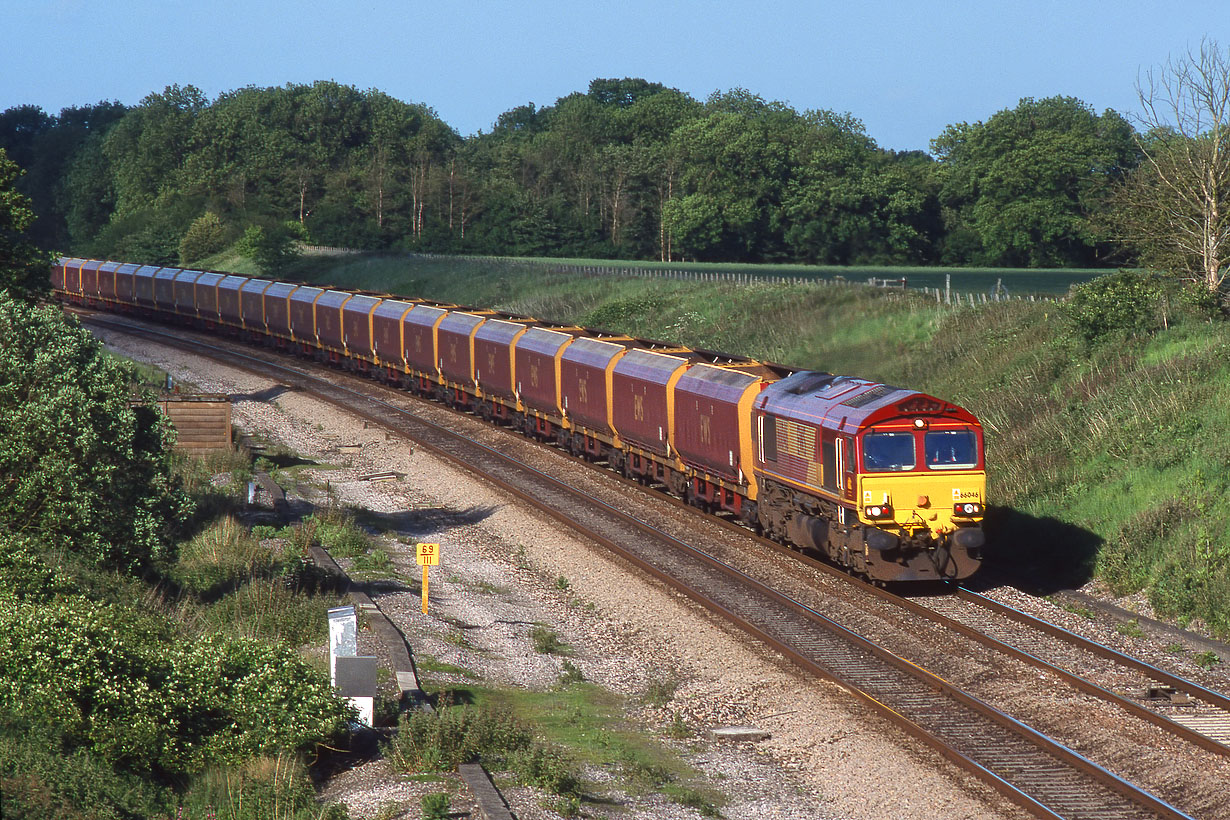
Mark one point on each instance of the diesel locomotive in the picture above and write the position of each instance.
(885, 481)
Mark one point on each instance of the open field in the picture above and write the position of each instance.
(1016, 281)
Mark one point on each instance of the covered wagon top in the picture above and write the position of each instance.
(255, 286)
(594, 352)
(209, 279)
(500, 330)
(725, 384)
(362, 303)
(333, 299)
(392, 309)
(653, 366)
(425, 315)
(280, 289)
(547, 341)
(461, 323)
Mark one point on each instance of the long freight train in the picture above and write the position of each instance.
(885, 481)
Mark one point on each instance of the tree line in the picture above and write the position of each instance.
(627, 169)
(631, 169)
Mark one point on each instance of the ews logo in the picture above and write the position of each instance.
(638, 407)
(534, 374)
(583, 390)
(706, 430)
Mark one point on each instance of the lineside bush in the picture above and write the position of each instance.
(82, 466)
(452, 735)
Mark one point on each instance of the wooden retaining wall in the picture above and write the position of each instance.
(202, 422)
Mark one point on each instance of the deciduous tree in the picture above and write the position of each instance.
(23, 268)
(1175, 209)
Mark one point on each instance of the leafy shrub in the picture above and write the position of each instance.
(338, 533)
(435, 806)
(219, 556)
(120, 684)
(661, 689)
(26, 574)
(267, 609)
(545, 640)
(570, 673)
(273, 248)
(452, 735)
(42, 776)
(1135, 302)
(623, 313)
(84, 468)
(205, 236)
(444, 739)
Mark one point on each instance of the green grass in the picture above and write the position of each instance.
(546, 641)
(430, 663)
(585, 725)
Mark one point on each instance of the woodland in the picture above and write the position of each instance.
(627, 169)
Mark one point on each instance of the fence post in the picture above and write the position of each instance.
(948, 288)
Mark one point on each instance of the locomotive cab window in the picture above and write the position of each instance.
(888, 452)
(951, 449)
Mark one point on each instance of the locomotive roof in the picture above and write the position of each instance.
(847, 403)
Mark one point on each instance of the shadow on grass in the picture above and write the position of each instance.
(1038, 555)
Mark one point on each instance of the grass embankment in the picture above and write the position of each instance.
(1106, 454)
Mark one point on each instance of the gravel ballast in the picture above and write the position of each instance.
(505, 568)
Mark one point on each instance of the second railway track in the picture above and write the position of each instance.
(1024, 765)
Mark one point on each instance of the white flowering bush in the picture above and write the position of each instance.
(80, 465)
(118, 682)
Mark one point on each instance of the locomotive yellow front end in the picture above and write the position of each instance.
(922, 496)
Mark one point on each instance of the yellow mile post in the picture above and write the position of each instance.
(429, 556)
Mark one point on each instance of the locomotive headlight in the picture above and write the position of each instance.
(967, 509)
(878, 511)
(920, 424)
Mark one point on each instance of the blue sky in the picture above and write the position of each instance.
(906, 69)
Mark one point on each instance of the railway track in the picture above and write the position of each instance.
(1024, 765)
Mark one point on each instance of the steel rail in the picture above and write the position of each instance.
(918, 701)
(1160, 675)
